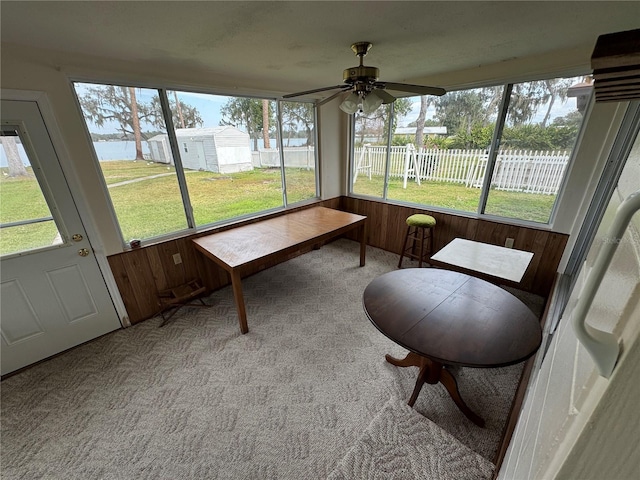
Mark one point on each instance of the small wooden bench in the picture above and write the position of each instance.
(238, 247)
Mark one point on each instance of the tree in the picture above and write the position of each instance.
(135, 123)
(401, 107)
(525, 100)
(424, 103)
(179, 109)
(265, 123)
(377, 123)
(464, 108)
(111, 103)
(571, 119)
(296, 115)
(182, 115)
(14, 162)
(556, 88)
(246, 112)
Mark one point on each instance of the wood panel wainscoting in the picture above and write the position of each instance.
(387, 228)
(142, 273)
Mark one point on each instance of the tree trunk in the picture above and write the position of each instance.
(179, 108)
(135, 120)
(546, 115)
(420, 122)
(265, 124)
(14, 162)
(551, 102)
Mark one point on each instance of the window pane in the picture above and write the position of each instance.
(144, 191)
(298, 140)
(25, 219)
(232, 168)
(450, 160)
(370, 151)
(542, 124)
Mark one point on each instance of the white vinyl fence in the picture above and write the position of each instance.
(515, 170)
(300, 157)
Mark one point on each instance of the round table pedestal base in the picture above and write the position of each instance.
(433, 372)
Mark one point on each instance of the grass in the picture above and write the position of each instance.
(121, 171)
(21, 198)
(154, 206)
(525, 206)
(148, 207)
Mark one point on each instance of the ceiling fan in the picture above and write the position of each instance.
(367, 93)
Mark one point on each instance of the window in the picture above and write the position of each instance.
(176, 160)
(446, 165)
(298, 150)
(26, 222)
(370, 154)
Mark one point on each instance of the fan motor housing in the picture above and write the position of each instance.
(360, 74)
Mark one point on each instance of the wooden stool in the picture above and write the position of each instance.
(418, 229)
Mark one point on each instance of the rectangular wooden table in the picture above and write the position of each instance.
(487, 260)
(242, 246)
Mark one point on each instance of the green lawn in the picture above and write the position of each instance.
(148, 207)
(154, 206)
(526, 206)
(21, 198)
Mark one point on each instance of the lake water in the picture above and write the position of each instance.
(122, 150)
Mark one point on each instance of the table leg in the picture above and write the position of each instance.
(411, 360)
(236, 283)
(363, 242)
(433, 372)
(451, 385)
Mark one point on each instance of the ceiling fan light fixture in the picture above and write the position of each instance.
(362, 80)
(371, 102)
(351, 103)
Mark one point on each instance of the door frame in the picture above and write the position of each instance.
(73, 182)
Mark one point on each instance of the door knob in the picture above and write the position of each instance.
(83, 252)
(76, 237)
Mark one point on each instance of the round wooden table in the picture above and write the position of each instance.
(449, 318)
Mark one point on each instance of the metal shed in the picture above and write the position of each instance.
(214, 149)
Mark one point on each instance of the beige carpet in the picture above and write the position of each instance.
(401, 444)
(197, 400)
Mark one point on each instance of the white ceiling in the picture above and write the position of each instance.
(291, 46)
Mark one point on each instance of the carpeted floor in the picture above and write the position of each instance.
(402, 444)
(195, 399)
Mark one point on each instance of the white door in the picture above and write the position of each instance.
(53, 295)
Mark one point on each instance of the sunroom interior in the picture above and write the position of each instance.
(60, 54)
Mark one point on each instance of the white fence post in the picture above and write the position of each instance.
(407, 154)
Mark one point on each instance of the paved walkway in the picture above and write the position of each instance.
(141, 179)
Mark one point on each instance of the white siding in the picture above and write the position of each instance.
(215, 149)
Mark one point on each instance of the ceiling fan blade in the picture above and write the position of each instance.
(406, 87)
(316, 90)
(328, 99)
(385, 96)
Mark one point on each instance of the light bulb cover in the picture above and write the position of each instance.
(351, 103)
(371, 103)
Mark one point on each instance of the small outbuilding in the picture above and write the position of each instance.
(213, 149)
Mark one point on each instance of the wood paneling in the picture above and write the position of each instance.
(387, 228)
